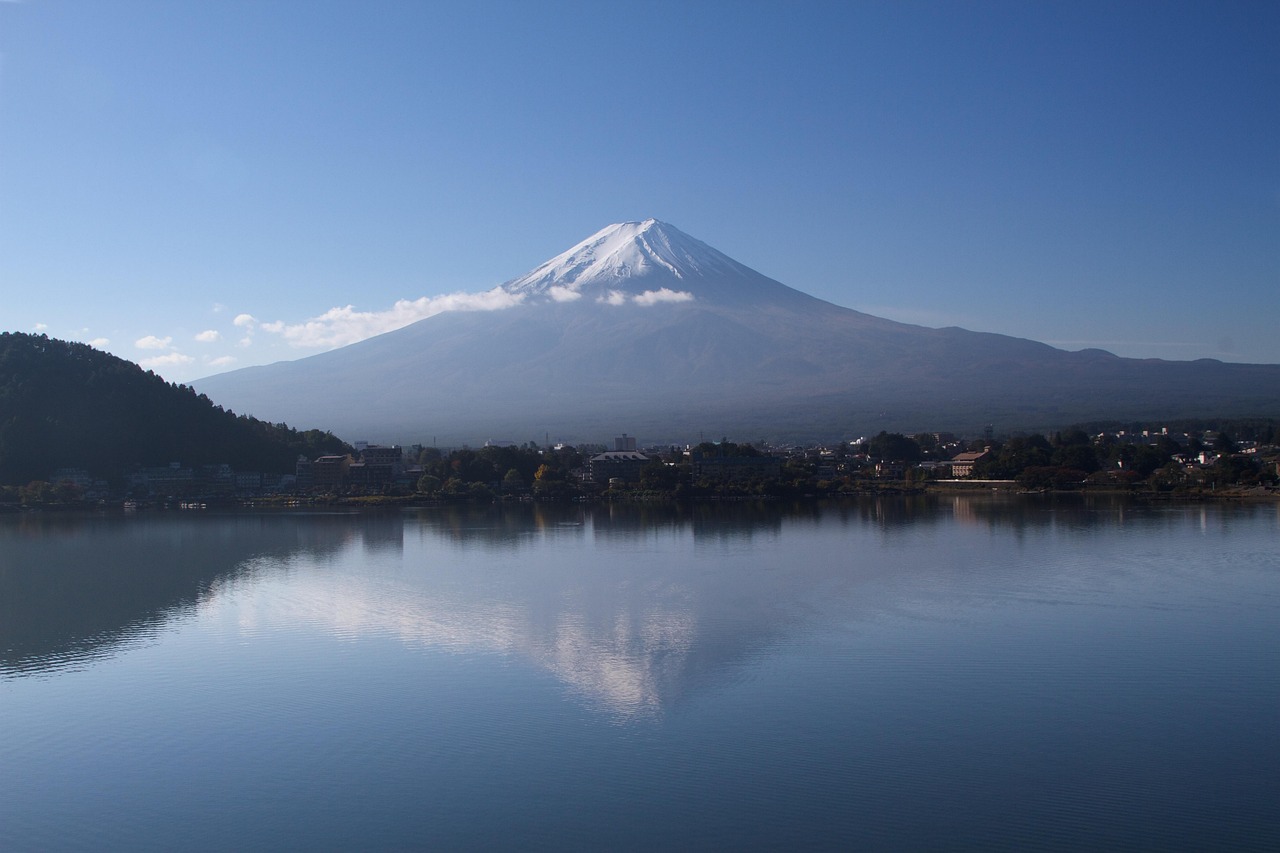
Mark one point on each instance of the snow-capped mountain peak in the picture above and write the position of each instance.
(630, 257)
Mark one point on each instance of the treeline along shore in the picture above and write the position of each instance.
(1155, 463)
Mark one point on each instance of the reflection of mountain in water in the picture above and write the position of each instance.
(76, 586)
(633, 606)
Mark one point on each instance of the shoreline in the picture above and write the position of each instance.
(991, 488)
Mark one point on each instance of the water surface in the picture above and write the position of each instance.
(886, 674)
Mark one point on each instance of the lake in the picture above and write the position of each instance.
(949, 672)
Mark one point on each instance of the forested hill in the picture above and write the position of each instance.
(67, 405)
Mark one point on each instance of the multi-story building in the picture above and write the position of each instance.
(962, 464)
(624, 465)
(330, 472)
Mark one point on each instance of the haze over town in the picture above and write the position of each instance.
(202, 187)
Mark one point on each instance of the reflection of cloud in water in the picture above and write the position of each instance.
(628, 669)
(626, 657)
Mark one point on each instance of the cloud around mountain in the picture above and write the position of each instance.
(345, 325)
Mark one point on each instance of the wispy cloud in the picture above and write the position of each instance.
(99, 343)
(245, 321)
(649, 297)
(41, 327)
(222, 361)
(209, 336)
(664, 294)
(172, 359)
(341, 326)
(152, 342)
(563, 294)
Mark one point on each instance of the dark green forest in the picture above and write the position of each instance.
(67, 405)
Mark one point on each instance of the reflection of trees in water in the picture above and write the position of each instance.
(1075, 514)
(501, 527)
(74, 586)
(508, 527)
(718, 520)
(382, 532)
(883, 511)
(1063, 512)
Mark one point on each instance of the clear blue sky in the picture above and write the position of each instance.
(1086, 174)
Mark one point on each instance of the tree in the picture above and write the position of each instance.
(926, 441)
(1079, 456)
(37, 492)
(658, 476)
(1224, 443)
(1017, 454)
(512, 482)
(893, 447)
(1233, 470)
(1148, 459)
(479, 492)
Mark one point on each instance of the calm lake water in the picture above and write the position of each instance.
(922, 673)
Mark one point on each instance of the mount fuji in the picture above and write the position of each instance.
(644, 329)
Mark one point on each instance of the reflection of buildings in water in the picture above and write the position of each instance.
(962, 510)
(1070, 511)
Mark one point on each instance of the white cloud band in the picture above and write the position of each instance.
(172, 359)
(152, 342)
(341, 326)
(649, 297)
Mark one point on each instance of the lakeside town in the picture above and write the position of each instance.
(1156, 461)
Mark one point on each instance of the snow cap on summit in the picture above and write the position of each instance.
(628, 256)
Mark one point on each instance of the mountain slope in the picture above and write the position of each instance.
(645, 329)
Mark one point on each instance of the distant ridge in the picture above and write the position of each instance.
(644, 328)
(67, 405)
